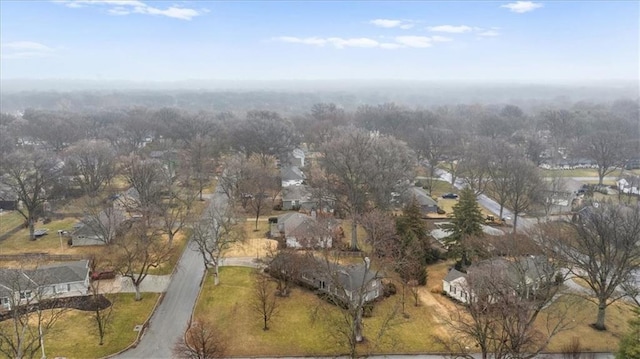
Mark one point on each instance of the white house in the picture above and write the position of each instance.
(455, 285)
(22, 286)
(525, 275)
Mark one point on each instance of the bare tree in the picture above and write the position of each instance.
(266, 134)
(352, 164)
(93, 164)
(140, 250)
(524, 188)
(31, 176)
(501, 165)
(104, 222)
(601, 249)
(257, 186)
(215, 234)
(284, 267)
(148, 179)
(175, 212)
(202, 161)
(102, 309)
(606, 145)
(202, 340)
(264, 299)
(474, 165)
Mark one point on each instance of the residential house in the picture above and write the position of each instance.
(455, 285)
(98, 230)
(291, 176)
(426, 203)
(524, 274)
(301, 231)
(22, 286)
(297, 197)
(347, 283)
(629, 185)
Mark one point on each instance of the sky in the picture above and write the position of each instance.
(539, 41)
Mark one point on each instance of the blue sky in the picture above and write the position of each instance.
(267, 40)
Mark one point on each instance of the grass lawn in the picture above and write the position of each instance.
(583, 313)
(578, 172)
(74, 335)
(295, 331)
(19, 242)
(10, 220)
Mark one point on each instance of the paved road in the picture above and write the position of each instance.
(488, 203)
(171, 317)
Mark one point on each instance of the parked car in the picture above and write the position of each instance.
(450, 195)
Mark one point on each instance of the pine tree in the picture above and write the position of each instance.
(413, 245)
(630, 343)
(466, 222)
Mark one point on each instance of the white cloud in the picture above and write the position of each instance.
(341, 43)
(450, 29)
(414, 41)
(24, 50)
(489, 33)
(126, 7)
(437, 38)
(521, 7)
(307, 41)
(388, 23)
(390, 46)
(398, 42)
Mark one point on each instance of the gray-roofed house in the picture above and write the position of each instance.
(525, 275)
(348, 283)
(301, 231)
(296, 197)
(20, 286)
(455, 285)
(100, 230)
(291, 176)
(426, 203)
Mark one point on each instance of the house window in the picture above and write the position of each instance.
(5, 302)
(323, 285)
(62, 288)
(25, 294)
(453, 290)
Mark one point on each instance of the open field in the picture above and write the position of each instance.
(295, 330)
(74, 335)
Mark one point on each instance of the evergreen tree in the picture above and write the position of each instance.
(466, 222)
(630, 343)
(413, 244)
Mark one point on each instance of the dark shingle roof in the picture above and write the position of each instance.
(453, 275)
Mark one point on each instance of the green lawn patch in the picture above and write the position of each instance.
(295, 331)
(10, 220)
